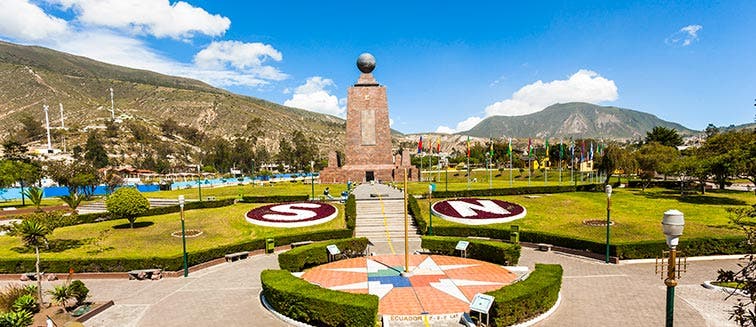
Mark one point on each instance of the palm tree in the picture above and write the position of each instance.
(72, 200)
(35, 195)
(33, 233)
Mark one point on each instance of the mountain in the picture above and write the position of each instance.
(32, 76)
(576, 119)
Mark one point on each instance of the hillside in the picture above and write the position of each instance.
(574, 119)
(32, 76)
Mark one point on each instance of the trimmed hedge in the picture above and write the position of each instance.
(518, 191)
(492, 251)
(413, 209)
(274, 198)
(635, 250)
(529, 298)
(91, 217)
(311, 255)
(315, 305)
(350, 212)
(88, 264)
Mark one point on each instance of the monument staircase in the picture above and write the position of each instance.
(380, 218)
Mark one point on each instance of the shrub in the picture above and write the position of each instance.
(302, 257)
(61, 295)
(26, 303)
(91, 217)
(529, 298)
(79, 291)
(314, 305)
(491, 251)
(413, 209)
(350, 212)
(274, 198)
(16, 319)
(516, 191)
(127, 202)
(9, 295)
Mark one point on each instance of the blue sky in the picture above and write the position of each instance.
(446, 65)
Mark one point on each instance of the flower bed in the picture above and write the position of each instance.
(474, 211)
(293, 214)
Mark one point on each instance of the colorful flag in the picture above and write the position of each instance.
(530, 148)
(561, 149)
(468, 146)
(600, 149)
(438, 145)
(509, 149)
(420, 145)
(491, 152)
(590, 154)
(547, 148)
(572, 149)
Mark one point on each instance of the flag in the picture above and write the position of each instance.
(509, 149)
(561, 149)
(438, 145)
(530, 148)
(590, 154)
(547, 148)
(468, 147)
(420, 145)
(582, 152)
(600, 150)
(491, 152)
(572, 149)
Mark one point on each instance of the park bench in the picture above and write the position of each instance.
(141, 274)
(32, 276)
(302, 243)
(544, 247)
(236, 256)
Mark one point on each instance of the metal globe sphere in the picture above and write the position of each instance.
(366, 63)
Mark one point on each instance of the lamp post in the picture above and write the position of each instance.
(183, 235)
(608, 190)
(430, 213)
(672, 226)
(312, 178)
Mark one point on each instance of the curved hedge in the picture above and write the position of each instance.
(174, 263)
(274, 198)
(518, 190)
(350, 212)
(529, 298)
(492, 251)
(91, 217)
(300, 258)
(314, 305)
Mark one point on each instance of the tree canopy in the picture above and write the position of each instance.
(664, 136)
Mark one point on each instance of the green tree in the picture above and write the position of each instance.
(111, 129)
(711, 130)
(654, 158)
(614, 158)
(305, 150)
(16, 171)
(34, 234)
(744, 312)
(664, 136)
(74, 175)
(285, 152)
(13, 149)
(32, 127)
(127, 202)
(72, 200)
(95, 152)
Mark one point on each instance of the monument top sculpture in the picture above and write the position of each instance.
(366, 63)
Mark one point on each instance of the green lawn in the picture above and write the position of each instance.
(220, 226)
(637, 215)
(281, 188)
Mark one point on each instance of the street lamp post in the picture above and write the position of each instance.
(183, 235)
(672, 226)
(430, 212)
(608, 190)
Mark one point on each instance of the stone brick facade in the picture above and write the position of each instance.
(368, 154)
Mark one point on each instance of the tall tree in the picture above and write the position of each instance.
(74, 175)
(32, 127)
(16, 171)
(615, 158)
(95, 152)
(654, 158)
(664, 136)
(13, 149)
(744, 312)
(285, 152)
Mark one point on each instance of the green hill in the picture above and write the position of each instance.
(576, 119)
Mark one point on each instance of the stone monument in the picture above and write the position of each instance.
(368, 154)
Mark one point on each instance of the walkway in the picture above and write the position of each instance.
(380, 218)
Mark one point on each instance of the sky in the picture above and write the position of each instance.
(446, 64)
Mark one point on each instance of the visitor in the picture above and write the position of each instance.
(327, 193)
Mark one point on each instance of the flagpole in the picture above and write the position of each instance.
(510, 169)
(468, 170)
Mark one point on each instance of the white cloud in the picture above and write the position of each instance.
(159, 18)
(461, 126)
(313, 96)
(685, 36)
(582, 86)
(20, 19)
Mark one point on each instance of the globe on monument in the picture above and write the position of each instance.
(366, 63)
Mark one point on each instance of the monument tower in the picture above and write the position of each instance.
(368, 153)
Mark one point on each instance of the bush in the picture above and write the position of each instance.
(91, 217)
(16, 319)
(274, 198)
(127, 202)
(27, 303)
(84, 264)
(350, 212)
(79, 291)
(10, 294)
(492, 251)
(413, 209)
(529, 298)
(311, 255)
(314, 305)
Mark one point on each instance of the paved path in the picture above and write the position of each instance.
(381, 219)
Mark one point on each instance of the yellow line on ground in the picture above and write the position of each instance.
(425, 321)
(385, 222)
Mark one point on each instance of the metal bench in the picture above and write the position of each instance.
(236, 256)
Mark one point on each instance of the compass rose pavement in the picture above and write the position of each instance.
(435, 285)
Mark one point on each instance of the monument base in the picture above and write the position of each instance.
(367, 173)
